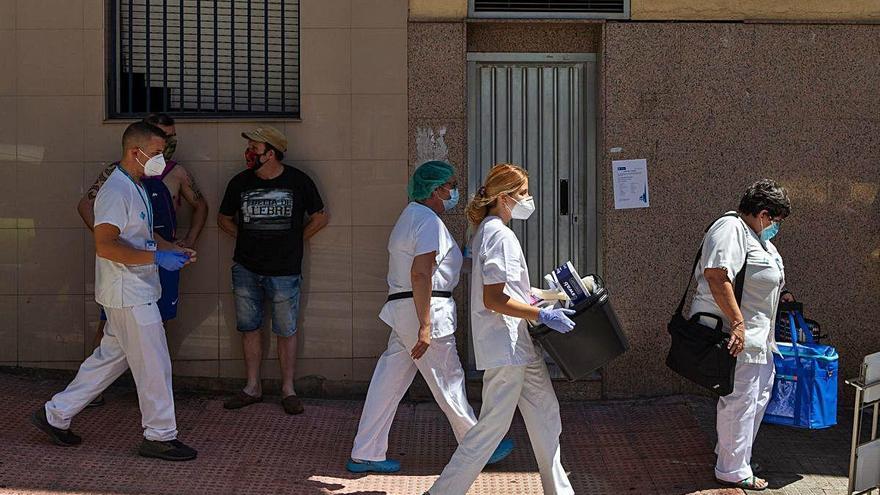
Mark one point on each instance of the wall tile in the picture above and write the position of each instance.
(382, 183)
(201, 277)
(8, 59)
(8, 190)
(436, 59)
(8, 329)
(325, 326)
(326, 61)
(334, 182)
(93, 14)
(8, 129)
(370, 268)
(48, 194)
(379, 13)
(7, 14)
(325, 13)
(8, 261)
(331, 369)
(94, 81)
(54, 328)
(197, 142)
(379, 125)
(327, 265)
(50, 62)
(325, 130)
(50, 128)
(45, 257)
(362, 369)
(370, 334)
(378, 61)
(194, 333)
(49, 14)
(205, 369)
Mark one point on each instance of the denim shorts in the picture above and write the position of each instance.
(250, 289)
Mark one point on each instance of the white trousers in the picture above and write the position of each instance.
(504, 389)
(739, 415)
(133, 338)
(392, 377)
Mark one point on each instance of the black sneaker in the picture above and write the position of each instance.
(172, 450)
(64, 438)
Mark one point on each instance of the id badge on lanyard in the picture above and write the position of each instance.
(149, 244)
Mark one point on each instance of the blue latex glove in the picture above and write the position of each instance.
(171, 260)
(557, 319)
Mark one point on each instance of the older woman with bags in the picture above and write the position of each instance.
(734, 243)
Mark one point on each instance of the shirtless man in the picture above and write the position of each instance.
(166, 192)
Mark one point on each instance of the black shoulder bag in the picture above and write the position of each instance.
(699, 352)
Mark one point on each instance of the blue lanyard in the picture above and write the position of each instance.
(143, 195)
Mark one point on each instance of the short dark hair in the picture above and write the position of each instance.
(766, 194)
(279, 155)
(139, 133)
(159, 119)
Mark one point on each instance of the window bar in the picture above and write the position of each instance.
(130, 58)
(249, 55)
(282, 55)
(165, 55)
(198, 55)
(232, 51)
(147, 59)
(216, 61)
(266, 55)
(182, 87)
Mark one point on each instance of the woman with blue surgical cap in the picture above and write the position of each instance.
(423, 269)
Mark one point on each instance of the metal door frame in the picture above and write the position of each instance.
(592, 189)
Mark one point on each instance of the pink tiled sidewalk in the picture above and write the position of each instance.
(633, 447)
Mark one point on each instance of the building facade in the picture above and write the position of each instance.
(713, 94)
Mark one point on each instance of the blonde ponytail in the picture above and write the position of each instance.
(504, 178)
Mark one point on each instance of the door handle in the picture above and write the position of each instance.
(563, 197)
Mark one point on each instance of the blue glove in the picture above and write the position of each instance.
(557, 319)
(171, 260)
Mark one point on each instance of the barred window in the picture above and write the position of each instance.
(204, 58)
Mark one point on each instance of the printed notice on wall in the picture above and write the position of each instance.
(630, 184)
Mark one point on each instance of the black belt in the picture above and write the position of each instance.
(408, 295)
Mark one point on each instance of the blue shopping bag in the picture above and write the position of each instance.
(805, 389)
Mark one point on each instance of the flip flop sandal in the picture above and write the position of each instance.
(750, 483)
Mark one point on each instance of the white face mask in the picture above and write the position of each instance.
(155, 165)
(523, 208)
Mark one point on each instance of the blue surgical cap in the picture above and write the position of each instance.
(427, 177)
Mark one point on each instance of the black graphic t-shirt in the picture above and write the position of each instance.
(271, 216)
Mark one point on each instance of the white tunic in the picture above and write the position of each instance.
(125, 205)
(499, 340)
(726, 245)
(419, 231)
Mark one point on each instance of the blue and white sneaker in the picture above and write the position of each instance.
(386, 466)
(503, 450)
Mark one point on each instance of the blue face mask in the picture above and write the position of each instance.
(770, 232)
(450, 203)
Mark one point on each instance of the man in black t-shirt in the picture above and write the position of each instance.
(270, 209)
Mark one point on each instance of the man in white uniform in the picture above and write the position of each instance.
(127, 286)
(423, 269)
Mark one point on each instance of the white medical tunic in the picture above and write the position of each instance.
(726, 245)
(499, 340)
(419, 231)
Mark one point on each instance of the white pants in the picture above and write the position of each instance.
(504, 389)
(739, 415)
(393, 375)
(133, 337)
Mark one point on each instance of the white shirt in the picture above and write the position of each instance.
(125, 205)
(419, 231)
(726, 245)
(499, 340)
